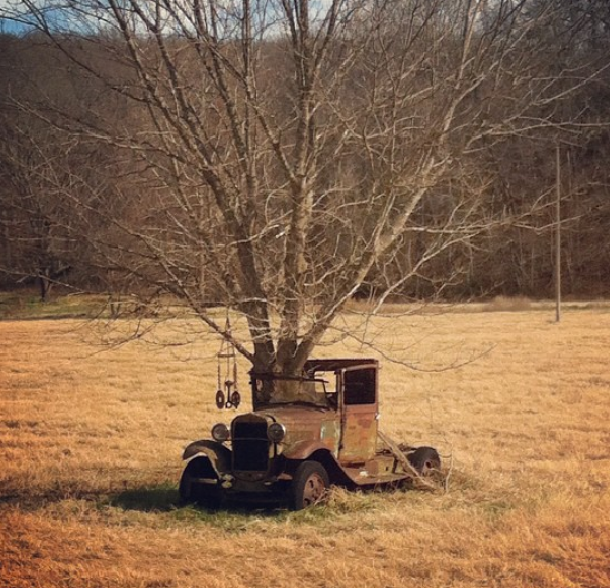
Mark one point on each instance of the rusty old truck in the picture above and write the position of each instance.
(303, 435)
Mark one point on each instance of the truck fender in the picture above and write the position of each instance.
(218, 455)
(303, 449)
(316, 452)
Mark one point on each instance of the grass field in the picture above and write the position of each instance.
(90, 446)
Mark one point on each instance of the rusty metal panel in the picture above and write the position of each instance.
(359, 434)
(307, 425)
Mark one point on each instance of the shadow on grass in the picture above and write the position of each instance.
(232, 517)
(148, 499)
(235, 516)
(165, 498)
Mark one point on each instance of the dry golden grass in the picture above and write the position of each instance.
(90, 450)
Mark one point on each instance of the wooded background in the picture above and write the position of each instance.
(270, 156)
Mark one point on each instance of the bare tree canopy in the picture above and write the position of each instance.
(282, 156)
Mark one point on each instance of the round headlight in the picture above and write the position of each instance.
(276, 432)
(220, 432)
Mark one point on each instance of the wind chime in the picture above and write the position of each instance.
(227, 395)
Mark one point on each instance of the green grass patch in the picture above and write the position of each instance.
(26, 304)
(235, 517)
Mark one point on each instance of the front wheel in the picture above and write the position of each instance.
(193, 491)
(309, 485)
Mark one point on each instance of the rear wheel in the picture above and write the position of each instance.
(309, 485)
(425, 460)
(193, 491)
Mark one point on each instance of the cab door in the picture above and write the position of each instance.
(359, 414)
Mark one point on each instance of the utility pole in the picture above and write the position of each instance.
(558, 236)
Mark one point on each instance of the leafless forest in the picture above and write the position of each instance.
(284, 157)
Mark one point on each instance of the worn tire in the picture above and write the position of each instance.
(425, 460)
(193, 492)
(309, 485)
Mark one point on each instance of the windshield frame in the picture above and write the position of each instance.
(277, 390)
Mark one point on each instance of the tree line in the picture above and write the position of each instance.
(284, 157)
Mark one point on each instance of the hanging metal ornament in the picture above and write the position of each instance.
(227, 395)
(235, 398)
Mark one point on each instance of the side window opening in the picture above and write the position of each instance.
(360, 386)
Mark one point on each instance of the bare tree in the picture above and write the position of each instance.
(289, 152)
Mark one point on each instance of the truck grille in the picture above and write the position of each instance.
(250, 446)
